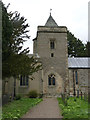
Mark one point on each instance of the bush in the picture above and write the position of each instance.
(32, 94)
(18, 97)
(40, 95)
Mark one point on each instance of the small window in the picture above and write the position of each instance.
(52, 44)
(23, 80)
(51, 79)
(52, 54)
(76, 77)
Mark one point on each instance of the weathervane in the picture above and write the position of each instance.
(50, 11)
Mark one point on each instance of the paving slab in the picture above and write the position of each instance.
(48, 108)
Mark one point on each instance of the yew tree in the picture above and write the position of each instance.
(15, 59)
(76, 47)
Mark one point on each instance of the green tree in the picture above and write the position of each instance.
(15, 60)
(75, 46)
(88, 49)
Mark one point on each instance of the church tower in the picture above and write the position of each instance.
(51, 46)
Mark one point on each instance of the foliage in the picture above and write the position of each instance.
(40, 95)
(32, 94)
(17, 109)
(76, 47)
(74, 109)
(88, 49)
(15, 60)
(18, 97)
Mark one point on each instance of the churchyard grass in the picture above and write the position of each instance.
(17, 108)
(75, 108)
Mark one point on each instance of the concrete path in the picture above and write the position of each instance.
(48, 108)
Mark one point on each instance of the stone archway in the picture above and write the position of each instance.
(53, 84)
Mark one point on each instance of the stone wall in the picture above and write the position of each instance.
(58, 64)
(34, 83)
(82, 80)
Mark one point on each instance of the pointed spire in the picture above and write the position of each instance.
(51, 22)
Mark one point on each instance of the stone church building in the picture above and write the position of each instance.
(60, 74)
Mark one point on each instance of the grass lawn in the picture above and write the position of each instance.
(18, 108)
(74, 109)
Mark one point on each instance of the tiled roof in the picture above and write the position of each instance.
(51, 22)
(79, 62)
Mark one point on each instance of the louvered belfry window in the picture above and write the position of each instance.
(52, 44)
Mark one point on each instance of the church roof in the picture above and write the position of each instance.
(51, 22)
(79, 62)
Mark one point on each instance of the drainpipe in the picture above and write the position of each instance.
(74, 93)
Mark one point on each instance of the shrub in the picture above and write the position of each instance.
(40, 95)
(10, 98)
(32, 94)
(18, 97)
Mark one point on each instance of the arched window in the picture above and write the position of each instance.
(23, 80)
(51, 79)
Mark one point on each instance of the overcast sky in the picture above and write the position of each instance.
(70, 13)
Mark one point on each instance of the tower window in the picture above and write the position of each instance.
(52, 54)
(52, 44)
(51, 79)
(23, 80)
